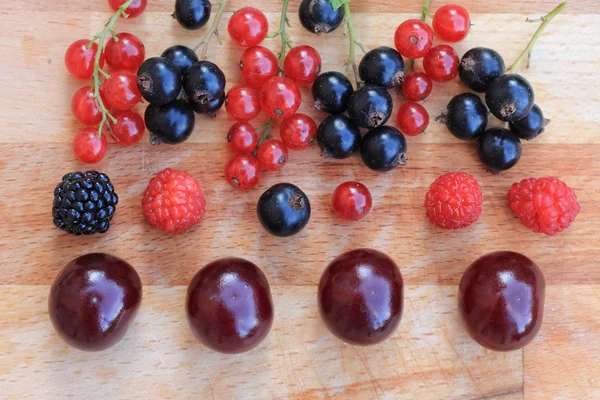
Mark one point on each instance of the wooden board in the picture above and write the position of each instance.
(429, 357)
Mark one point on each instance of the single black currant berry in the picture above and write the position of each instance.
(499, 149)
(383, 149)
(318, 16)
(338, 137)
(331, 91)
(172, 123)
(159, 80)
(204, 82)
(192, 14)
(209, 109)
(530, 126)
(370, 106)
(479, 67)
(382, 66)
(283, 210)
(510, 97)
(465, 116)
(182, 56)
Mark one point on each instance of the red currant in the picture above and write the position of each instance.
(248, 27)
(121, 90)
(272, 154)
(134, 9)
(352, 201)
(88, 147)
(129, 128)
(413, 38)
(85, 108)
(242, 138)
(416, 86)
(243, 102)
(441, 63)
(302, 64)
(412, 118)
(243, 172)
(258, 65)
(451, 23)
(126, 53)
(298, 131)
(280, 97)
(79, 60)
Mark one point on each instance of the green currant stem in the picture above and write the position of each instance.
(285, 41)
(267, 131)
(213, 30)
(353, 42)
(410, 66)
(526, 54)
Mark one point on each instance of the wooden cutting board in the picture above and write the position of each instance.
(430, 356)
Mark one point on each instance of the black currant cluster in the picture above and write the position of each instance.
(509, 97)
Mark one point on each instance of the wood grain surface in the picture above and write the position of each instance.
(429, 357)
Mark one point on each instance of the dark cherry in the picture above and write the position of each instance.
(229, 306)
(370, 106)
(331, 92)
(318, 16)
(192, 14)
(465, 116)
(501, 300)
(499, 149)
(531, 126)
(383, 149)
(510, 97)
(183, 57)
(479, 67)
(382, 66)
(361, 297)
(338, 137)
(204, 82)
(93, 300)
(283, 210)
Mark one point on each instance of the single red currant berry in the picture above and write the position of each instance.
(88, 147)
(128, 52)
(121, 90)
(302, 64)
(248, 27)
(280, 97)
(85, 107)
(451, 23)
(79, 60)
(243, 172)
(441, 63)
(243, 102)
(272, 154)
(298, 131)
(416, 86)
(412, 118)
(258, 64)
(413, 38)
(129, 128)
(352, 201)
(135, 8)
(242, 138)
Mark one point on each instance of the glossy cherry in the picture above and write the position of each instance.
(242, 138)
(85, 107)
(248, 26)
(121, 90)
(441, 63)
(135, 8)
(88, 147)
(412, 118)
(272, 154)
(79, 60)
(127, 52)
(94, 300)
(243, 172)
(302, 64)
(331, 92)
(229, 306)
(451, 23)
(501, 300)
(298, 131)
(351, 201)
(280, 97)
(413, 38)
(129, 128)
(258, 64)
(416, 86)
(361, 297)
(243, 102)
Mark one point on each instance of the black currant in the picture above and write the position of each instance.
(382, 66)
(530, 126)
(383, 149)
(209, 109)
(510, 97)
(479, 67)
(370, 106)
(465, 116)
(182, 56)
(192, 14)
(172, 123)
(331, 92)
(283, 210)
(338, 137)
(204, 82)
(159, 80)
(318, 16)
(499, 149)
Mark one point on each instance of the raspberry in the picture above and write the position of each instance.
(173, 201)
(454, 201)
(544, 205)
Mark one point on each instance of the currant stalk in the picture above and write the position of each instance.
(351, 63)
(213, 30)
(424, 14)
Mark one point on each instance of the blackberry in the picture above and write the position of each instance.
(84, 203)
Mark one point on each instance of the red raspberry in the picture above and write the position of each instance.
(454, 201)
(544, 205)
(173, 201)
